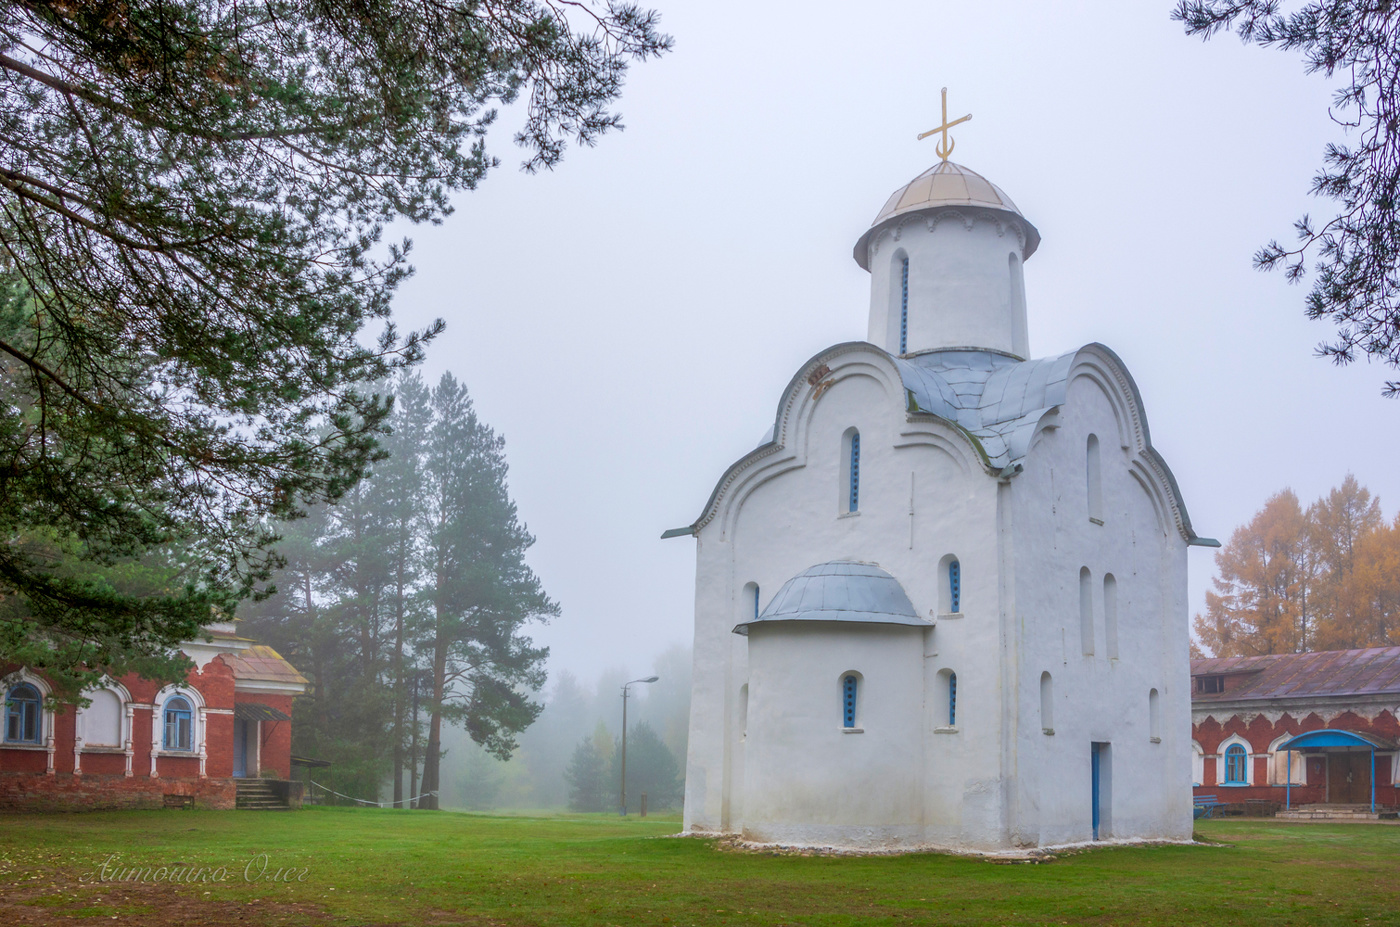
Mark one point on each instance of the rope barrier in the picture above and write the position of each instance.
(365, 801)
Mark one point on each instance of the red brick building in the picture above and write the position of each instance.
(1244, 708)
(140, 744)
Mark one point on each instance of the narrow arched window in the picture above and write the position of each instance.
(954, 586)
(23, 715)
(755, 601)
(1047, 704)
(904, 306)
(853, 466)
(1236, 765)
(1110, 615)
(1154, 716)
(952, 699)
(848, 700)
(1086, 612)
(179, 724)
(1093, 479)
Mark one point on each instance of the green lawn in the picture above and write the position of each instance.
(367, 866)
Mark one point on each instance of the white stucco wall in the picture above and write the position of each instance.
(1100, 697)
(809, 779)
(996, 780)
(966, 285)
(766, 755)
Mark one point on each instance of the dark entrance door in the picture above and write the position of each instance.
(240, 748)
(1095, 773)
(1349, 778)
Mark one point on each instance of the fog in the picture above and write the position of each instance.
(628, 320)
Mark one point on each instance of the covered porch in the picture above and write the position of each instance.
(1348, 763)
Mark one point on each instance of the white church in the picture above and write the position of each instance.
(944, 603)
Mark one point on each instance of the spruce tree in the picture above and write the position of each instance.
(194, 286)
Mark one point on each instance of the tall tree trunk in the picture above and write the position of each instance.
(413, 750)
(431, 760)
(399, 696)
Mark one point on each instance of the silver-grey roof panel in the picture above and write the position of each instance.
(994, 397)
(841, 590)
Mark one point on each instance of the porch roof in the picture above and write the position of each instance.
(1332, 737)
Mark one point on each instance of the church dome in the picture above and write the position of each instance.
(841, 590)
(947, 185)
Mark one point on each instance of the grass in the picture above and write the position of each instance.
(369, 866)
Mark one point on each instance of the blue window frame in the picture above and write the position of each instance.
(179, 724)
(855, 471)
(904, 306)
(1235, 760)
(848, 701)
(755, 602)
(954, 586)
(952, 699)
(23, 715)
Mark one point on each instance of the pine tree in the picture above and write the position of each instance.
(480, 590)
(194, 290)
(1357, 282)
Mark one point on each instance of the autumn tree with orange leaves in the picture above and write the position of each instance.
(1294, 580)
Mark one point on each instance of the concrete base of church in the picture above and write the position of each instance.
(20, 792)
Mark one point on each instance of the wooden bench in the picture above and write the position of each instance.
(1205, 805)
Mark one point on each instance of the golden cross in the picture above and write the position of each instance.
(945, 147)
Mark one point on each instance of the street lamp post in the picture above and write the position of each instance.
(624, 738)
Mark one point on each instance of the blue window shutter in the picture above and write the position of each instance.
(855, 472)
(904, 307)
(954, 586)
(848, 701)
(952, 699)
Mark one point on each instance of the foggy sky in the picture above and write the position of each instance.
(629, 320)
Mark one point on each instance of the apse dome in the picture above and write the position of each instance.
(842, 590)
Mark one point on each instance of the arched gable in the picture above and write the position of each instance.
(789, 448)
(1106, 369)
(980, 407)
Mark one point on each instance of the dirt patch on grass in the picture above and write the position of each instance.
(43, 898)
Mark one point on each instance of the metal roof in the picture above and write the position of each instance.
(1372, 671)
(1335, 738)
(946, 186)
(263, 664)
(841, 590)
(996, 397)
(256, 711)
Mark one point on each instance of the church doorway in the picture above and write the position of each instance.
(1101, 787)
(1349, 778)
(240, 748)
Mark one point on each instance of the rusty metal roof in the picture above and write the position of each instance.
(1372, 671)
(263, 664)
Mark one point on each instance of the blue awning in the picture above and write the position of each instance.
(1335, 738)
